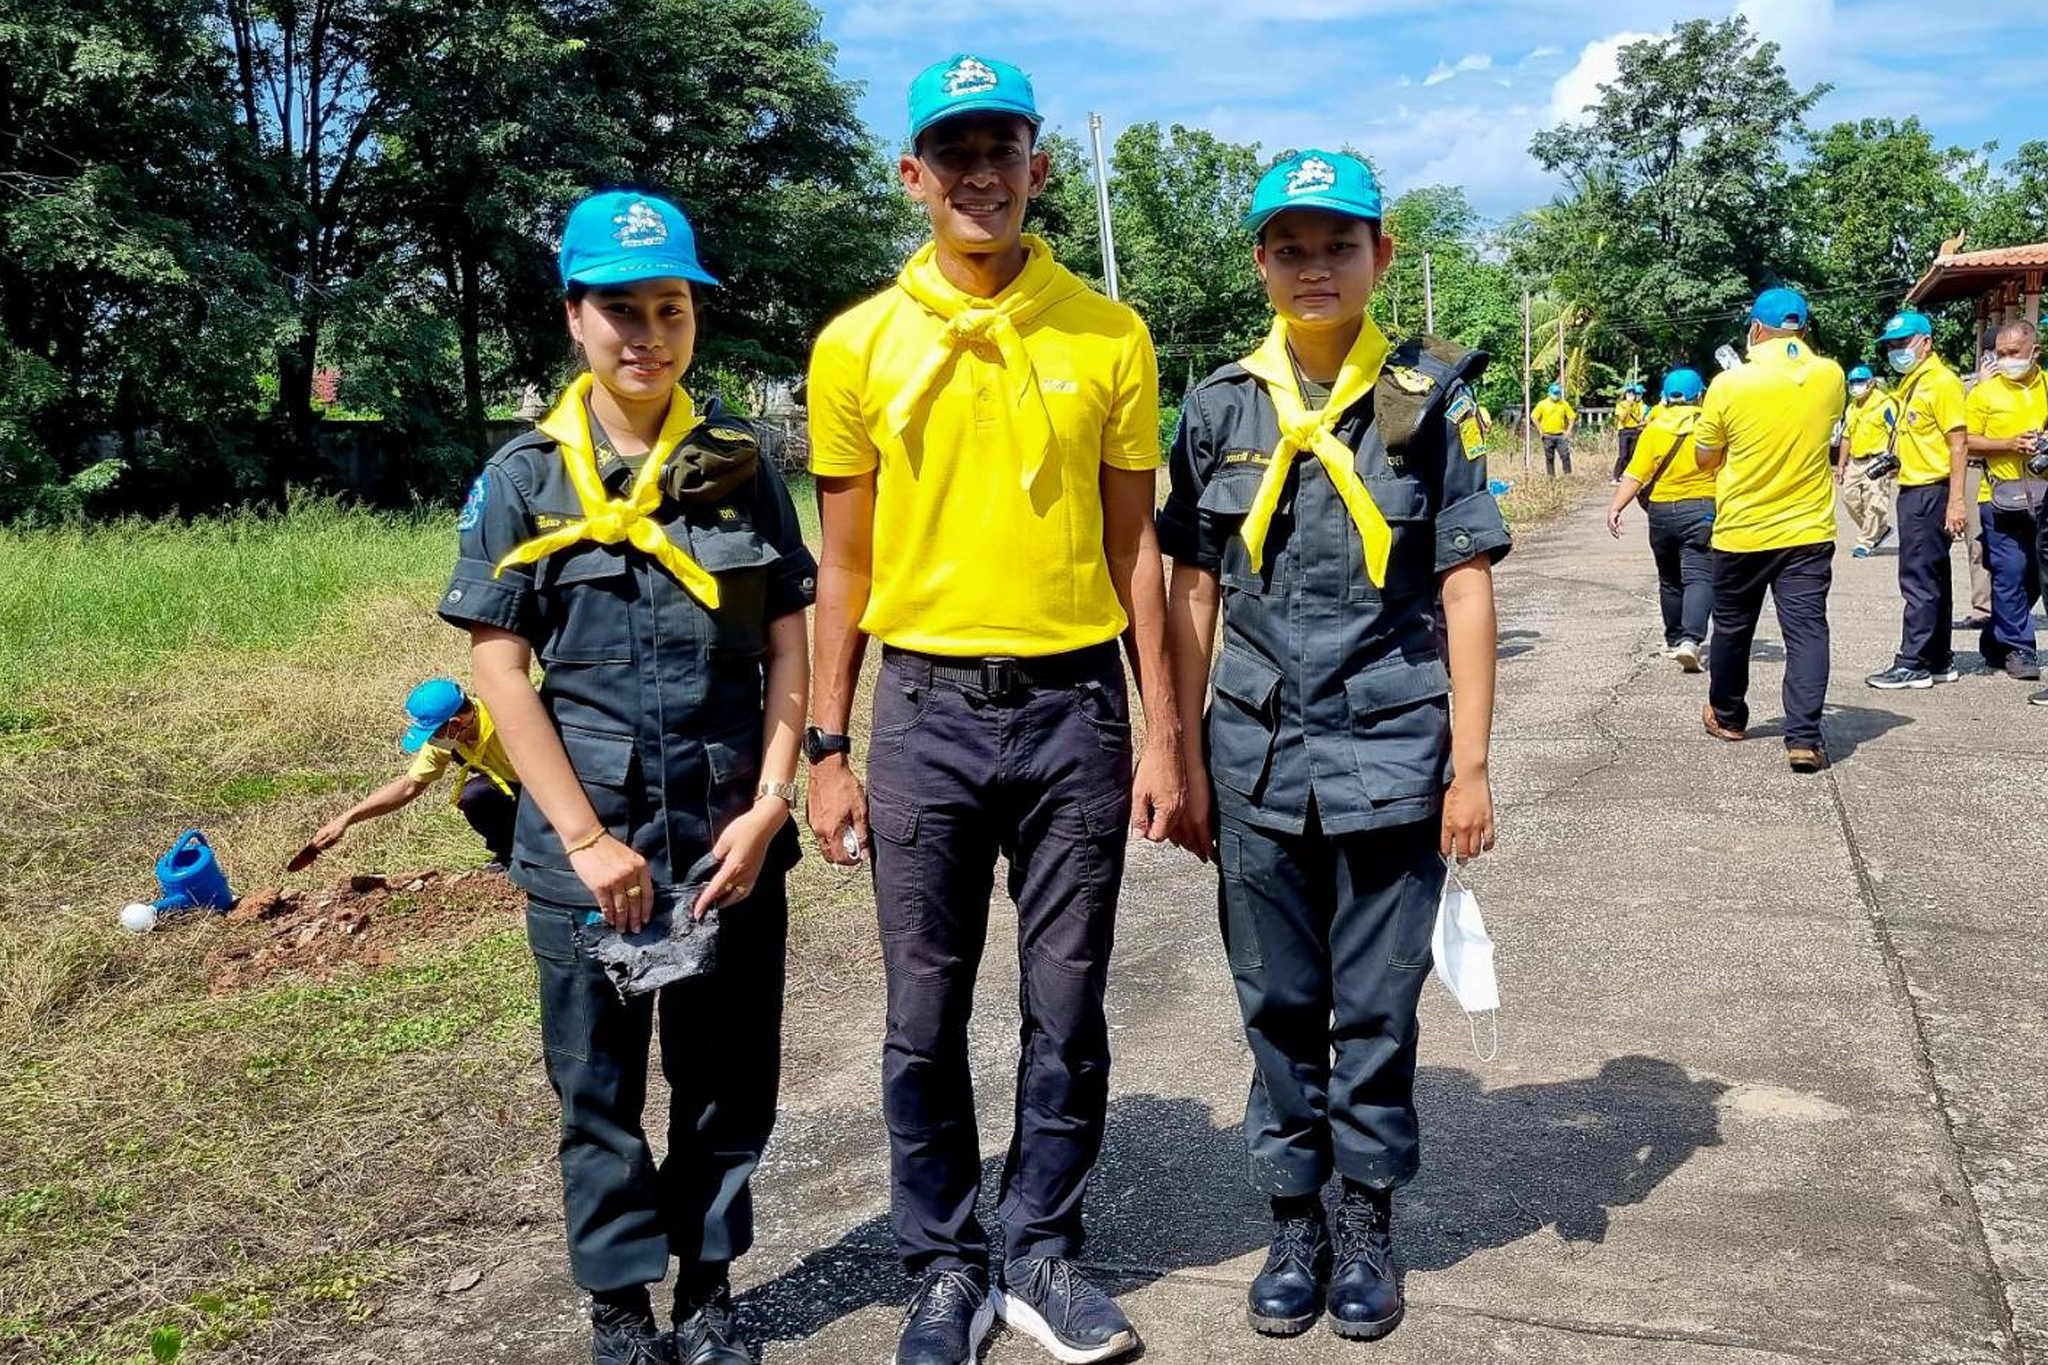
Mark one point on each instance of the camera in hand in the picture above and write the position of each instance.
(1882, 466)
(2037, 463)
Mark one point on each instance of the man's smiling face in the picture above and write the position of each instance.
(975, 174)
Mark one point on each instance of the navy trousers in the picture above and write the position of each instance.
(1798, 579)
(958, 775)
(2012, 557)
(1328, 938)
(1681, 535)
(1926, 579)
(491, 813)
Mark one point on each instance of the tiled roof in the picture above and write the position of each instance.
(1968, 273)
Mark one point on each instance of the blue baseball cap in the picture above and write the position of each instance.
(1315, 180)
(1557, 390)
(1636, 387)
(432, 705)
(1904, 326)
(619, 236)
(1861, 372)
(1684, 385)
(1779, 307)
(966, 84)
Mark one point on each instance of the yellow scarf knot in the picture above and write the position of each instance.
(608, 520)
(1316, 432)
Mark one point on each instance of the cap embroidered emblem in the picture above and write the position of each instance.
(968, 76)
(1898, 321)
(641, 225)
(1311, 175)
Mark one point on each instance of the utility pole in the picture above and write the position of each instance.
(1109, 279)
(1560, 346)
(1428, 298)
(1528, 363)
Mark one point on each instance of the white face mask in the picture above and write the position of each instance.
(1464, 961)
(1858, 390)
(2014, 367)
(1902, 358)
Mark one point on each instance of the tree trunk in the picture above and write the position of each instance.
(469, 323)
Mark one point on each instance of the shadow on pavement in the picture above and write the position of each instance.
(1515, 643)
(1845, 728)
(1170, 1192)
(1501, 1165)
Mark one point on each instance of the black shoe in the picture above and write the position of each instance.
(1898, 678)
(1365, 1295)
(1973, 622)
(2020, 667)
(1048, 1299)
(1287, 1297)
(625, 1336)
(949, 1316)
(706, 1336)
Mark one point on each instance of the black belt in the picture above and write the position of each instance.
(1000, 678)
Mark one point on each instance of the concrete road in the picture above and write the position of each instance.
(1770, 1073)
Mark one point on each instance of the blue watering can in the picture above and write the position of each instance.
(191, 878)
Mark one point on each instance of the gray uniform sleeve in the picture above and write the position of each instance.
(1186, 535)
(1470, 522)
(793, 577)
(495, 519)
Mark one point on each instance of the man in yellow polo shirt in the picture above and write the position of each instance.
(2006, 414)
(1767, 427)
(1555, 418)
(1933, 457)
(1866, 433)
(1630, 417)
(985, 435)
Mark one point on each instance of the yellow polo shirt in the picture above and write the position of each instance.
(968, 561)
(1931, 405)
(2001, 409)
(1868, 431)
(1628, 415)
(1775, 416)
(486, 756)
(1681, 480)
(1552, 416)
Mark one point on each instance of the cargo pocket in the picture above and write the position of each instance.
(586, 594)
(1400, 727)
(1238, 919)
(733, 761)
(1411, 557)
(739, 558)
(604, 768)
(1243, 719)
(564, 1003)
(1222, 505)
(900, 899)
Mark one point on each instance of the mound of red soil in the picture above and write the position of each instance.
(366, 920)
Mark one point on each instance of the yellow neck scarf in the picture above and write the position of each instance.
(1315, 432)
(608, 520)
(471, 757)
(1027, 428)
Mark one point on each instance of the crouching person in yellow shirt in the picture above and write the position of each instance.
(1665, 475)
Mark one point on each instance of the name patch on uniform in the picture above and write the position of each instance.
(1247, 457)
(473, 505)
(547, 521)
(1460, 406)
(1057, 386)
(1473, 436)
(728, 514)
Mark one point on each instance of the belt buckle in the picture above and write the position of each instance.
(1000, 678)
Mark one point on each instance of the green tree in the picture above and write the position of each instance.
(1066, 215)
(1478, 302)
(2012, 208)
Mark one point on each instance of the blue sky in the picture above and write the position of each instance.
(1439, 93)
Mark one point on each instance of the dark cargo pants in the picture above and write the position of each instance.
(721, 1051)
(1798, 578)
(492, 813)
(956, 776)
(1681, 540)
(1926, 579)
(1328, 938)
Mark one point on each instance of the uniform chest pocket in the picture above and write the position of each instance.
(1411, 560)
(740, 557)
(586, 592)
(1222, 506)
(1245, 719)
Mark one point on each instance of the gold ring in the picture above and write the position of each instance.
(632, 890)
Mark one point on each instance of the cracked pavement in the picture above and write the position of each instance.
(1770, 1069)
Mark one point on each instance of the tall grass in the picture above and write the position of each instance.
(110, 603)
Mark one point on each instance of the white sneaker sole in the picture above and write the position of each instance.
(1688, 659)
(1917, 685)
(977, 1331)
(1020, 1316)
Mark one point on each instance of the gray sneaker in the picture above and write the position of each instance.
(1688, 655)
(1049, 1300)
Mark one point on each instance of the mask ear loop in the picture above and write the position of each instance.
(1491, 1052)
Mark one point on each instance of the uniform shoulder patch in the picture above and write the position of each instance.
(473, 505)
(1461, 405)
(1410, 380)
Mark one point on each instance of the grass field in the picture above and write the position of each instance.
(239, 1175)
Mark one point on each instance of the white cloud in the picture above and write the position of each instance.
(1804, 31)
(1540, 53)
(1471, 61)
(1598, 64)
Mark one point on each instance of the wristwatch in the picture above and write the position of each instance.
(784, 790)
(817, 744)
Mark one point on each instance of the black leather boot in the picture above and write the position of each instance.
(1365, 1293)
(1287, 1296)
(705, 1334)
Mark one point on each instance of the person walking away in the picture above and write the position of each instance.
(1629, 421)
(985, 433)
(1766, 430)
(449, 730)
(1866, 433)
(640, 547)
(2005, 414)
(1556, 420)
(1679, 499)
(1326, 489)
(1931, 444)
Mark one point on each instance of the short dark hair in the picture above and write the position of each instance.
(577, 291)
(1373, 224)
(1031, 129)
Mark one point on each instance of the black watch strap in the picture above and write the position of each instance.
(818, 744)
